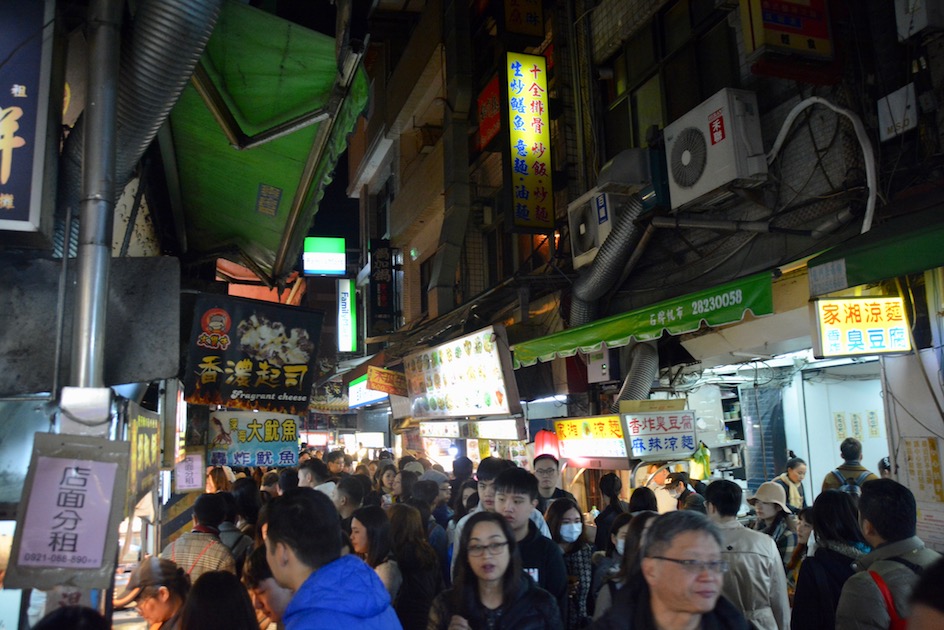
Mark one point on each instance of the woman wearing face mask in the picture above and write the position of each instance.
(629, 568)
(566, 525)
(792, 483)
(607, 564)
(774, 518)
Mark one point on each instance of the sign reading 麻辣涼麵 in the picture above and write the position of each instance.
(251, 355)
(245, 438)
(532, 194)
(859, 326)
(661, 434)
(596, 436)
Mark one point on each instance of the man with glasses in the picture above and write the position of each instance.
(682, 575)
(547, 470)
(756, 582)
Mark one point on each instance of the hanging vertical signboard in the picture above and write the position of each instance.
(347, 316)
(488, 111)
(528, 163)
(74, 500)
(144, 434)
(380, 310)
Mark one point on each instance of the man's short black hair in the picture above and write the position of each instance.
(257, 568)
(426, 491)
(517, 481)
(490, 467)
(890, 508)
(462, 467)
(317, 469)
(209, 510)
(352, 488)
(271, 478)
(851, 449)
(546, 457)
(230, 510)
(293, 518)
(725, 495)
(334, 456)
(288, 479)
(676, 477)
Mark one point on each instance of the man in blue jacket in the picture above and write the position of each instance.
(303, 549)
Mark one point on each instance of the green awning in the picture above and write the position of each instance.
(909, 244)
(255, 192)
(724, 304)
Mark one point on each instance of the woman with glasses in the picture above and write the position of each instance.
(682, 573)
(490, 589)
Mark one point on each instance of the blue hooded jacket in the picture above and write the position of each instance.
(343, 594)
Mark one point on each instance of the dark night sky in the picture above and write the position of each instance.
(337, 214)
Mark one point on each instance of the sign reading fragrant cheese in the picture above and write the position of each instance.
(530, 142)
(859, 326)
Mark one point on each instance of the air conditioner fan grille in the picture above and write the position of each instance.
(689, 156)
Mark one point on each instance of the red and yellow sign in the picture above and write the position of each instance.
(530, 141)
(389, 381)
(597, 436)
(859, 326)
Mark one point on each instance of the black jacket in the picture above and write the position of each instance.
(533, 609)
(543, 503)
(420, 586)
(631, 611)
(543, 560)
(604, 521)
(819, 586)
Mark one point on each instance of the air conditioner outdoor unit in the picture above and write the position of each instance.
(590, 218)
(716, 144)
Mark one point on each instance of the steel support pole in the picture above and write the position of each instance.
(98, 195)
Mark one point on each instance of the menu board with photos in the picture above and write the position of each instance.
(469, 376)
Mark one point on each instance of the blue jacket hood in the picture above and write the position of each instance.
(346, 591)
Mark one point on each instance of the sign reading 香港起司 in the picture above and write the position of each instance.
(661, 435)
(246, 438)
(251, 355)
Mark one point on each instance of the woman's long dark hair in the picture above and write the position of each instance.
(458, 505)
(835, 518)
(408, 479)
(218, 601)
(554, 516)
(466, 586)
(408, 535)
(610, 486)
(378, 475)
(632, 552)
(642, 499)
(375, 521)
(248, 500)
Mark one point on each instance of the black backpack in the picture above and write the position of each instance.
(850, 485)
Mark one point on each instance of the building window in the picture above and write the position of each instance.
(686, 53)
(426, 275)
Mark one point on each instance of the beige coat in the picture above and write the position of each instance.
(756, 583)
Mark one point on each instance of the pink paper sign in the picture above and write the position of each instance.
(67, 514)
(189, 474)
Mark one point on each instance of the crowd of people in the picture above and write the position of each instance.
(403, 544)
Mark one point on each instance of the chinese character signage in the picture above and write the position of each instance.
(594, 437)
(859, 326)
(28, 124)
(380, 310)
(246, 438)
(347, 315)
(251, 355)
(787, 27)
(488, 112)
(144, 434)
(469, 376)
(524, 17)
(661, 435)
(923, 465)
(532, 197)
(388, 381)
(68, 520)
(189, 474)
(360, 394)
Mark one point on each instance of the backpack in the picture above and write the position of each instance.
(850, 485)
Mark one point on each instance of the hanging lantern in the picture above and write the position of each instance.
(546, 443)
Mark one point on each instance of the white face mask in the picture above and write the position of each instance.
(621, 546)
(674, 493)
(571, 531)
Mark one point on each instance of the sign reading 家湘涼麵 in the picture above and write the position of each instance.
(661, 435)
(859, 326)
(529, 134)
(246, 438)
(251, 355)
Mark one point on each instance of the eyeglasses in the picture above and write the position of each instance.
(493, 549)
(545, 471)
(695, 567)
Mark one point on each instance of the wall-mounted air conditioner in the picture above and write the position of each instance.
(590, 218)
(715, 145)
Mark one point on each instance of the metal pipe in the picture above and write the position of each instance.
(723, 225)
(98, 195)
(578, 97)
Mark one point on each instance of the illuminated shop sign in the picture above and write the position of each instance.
(661, 435)
(859, 326)
(530, 142)
(359, 395)
(347, 316)
(469, 376)
(247, 438)
(597, 436)
(324, 256)
(509, 429)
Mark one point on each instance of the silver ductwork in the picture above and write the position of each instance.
(607, 266)
(643, 370)
(157, 61)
